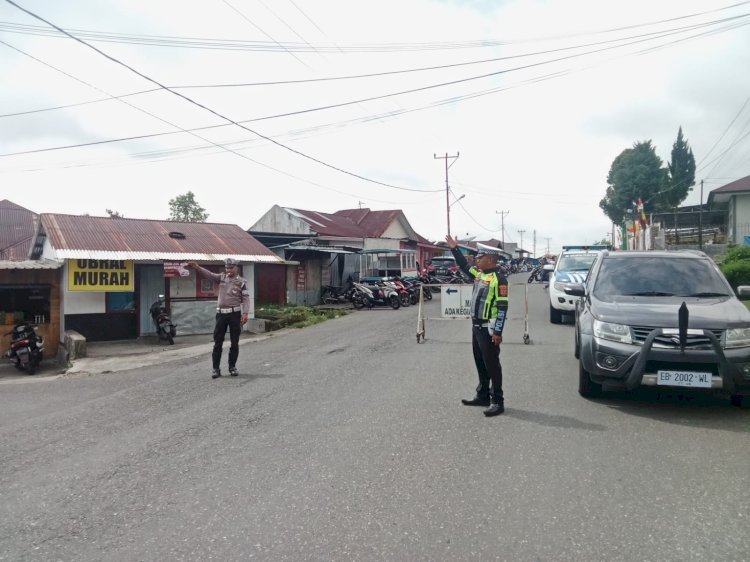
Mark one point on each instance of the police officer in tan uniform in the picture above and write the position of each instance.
(232, 309)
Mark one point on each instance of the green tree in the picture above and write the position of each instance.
(185, 208)
(681, 173)
(115, 214)
(636, 172)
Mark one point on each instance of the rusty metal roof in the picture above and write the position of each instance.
(17, 230)
(86, 237)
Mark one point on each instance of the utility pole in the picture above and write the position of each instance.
(547, 239)
(700, 220)
(521, 248)
(502, 224)
(533, 246)
(447, 186)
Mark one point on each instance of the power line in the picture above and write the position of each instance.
(652, 35)
(212, 43)
(213, 112)
(332, 106)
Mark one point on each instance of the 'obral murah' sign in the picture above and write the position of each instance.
(100, 275)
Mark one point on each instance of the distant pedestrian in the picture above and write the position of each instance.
(233, 307)
(489, 309)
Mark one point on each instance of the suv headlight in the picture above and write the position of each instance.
(560, 286)
(737, 337)
(613, 332)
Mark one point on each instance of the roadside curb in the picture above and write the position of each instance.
(88, 366)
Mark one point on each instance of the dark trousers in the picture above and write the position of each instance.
(487, 359)
(233, 320)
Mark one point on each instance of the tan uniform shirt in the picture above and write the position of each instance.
(232, 290)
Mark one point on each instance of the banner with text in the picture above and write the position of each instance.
(176, 269)
(100, 275)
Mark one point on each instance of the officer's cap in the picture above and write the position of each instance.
(230, 262)
(484, 249)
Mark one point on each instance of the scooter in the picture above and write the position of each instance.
(164, 327)
(374, 295)
(26, 348)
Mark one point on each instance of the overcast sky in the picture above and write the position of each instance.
(325, 105)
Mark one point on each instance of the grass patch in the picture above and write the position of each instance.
(294, 316)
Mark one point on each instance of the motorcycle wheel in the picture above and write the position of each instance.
(394, 301)
(404, 298)
(531, 279)
(428, 294)
(31, 368)
(413, 298)
(170, 339)
(358, 302)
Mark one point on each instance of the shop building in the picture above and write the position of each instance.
(29, 287)
(112, 269)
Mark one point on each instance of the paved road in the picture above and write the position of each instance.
(347, 441)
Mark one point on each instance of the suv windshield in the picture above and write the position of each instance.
(443, 262)
(653, 276)
(576, 262)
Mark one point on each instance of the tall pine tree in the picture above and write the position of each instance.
(681, 173)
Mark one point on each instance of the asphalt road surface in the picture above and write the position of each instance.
(347, 441)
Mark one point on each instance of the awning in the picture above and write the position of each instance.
(43, 263)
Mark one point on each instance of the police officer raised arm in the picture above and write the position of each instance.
(232, 310)
(489, 308)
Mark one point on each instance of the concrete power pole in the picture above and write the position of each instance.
(533, 246)
(547, 239)
(447, 186)
(521, 246)
(502, 224)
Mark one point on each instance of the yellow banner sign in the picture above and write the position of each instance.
(100, 275)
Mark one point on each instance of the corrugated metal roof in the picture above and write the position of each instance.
(84, 237)
(17, 230)
(43, 263)
(158, 256)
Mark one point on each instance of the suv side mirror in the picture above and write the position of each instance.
(575, 290)
(548, 267)
(743, 290)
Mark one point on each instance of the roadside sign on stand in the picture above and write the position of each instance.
(455, 301)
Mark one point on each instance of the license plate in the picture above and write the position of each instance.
(684, 378)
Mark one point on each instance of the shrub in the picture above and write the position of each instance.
(737, 254)
(294, 316)
(737, 272)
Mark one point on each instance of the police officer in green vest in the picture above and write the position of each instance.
(489, 309)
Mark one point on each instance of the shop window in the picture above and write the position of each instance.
(26, 303)
(120, 301)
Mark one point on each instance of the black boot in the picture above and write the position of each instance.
(496, 408)
(478, 400)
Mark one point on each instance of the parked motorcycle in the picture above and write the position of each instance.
(374, 295)
(331, 294)
(26, 347)
(164, 327)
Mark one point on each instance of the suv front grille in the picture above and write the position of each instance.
(694, 341)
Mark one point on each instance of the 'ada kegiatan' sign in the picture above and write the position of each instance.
(100, 275)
